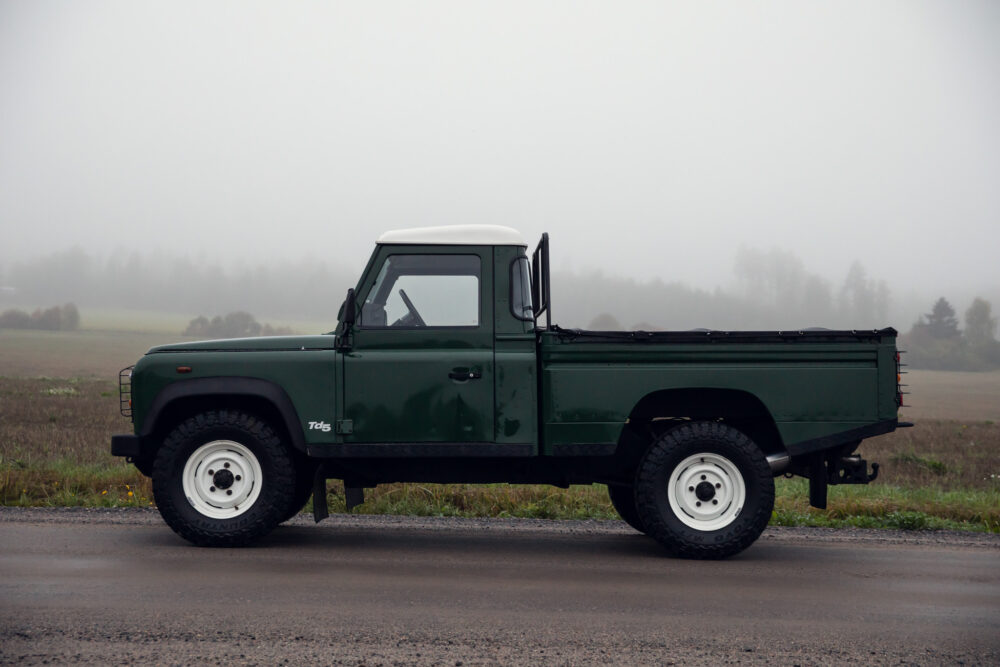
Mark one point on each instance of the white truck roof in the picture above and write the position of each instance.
(455, 235)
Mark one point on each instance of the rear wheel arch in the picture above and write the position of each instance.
(659, 411)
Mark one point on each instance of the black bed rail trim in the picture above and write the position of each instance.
(419, 449)
(815, 445)
(713, 336)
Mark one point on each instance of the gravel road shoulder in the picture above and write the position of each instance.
(149, 516)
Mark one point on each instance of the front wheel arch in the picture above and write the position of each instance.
(186, 398)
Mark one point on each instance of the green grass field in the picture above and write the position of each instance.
(59, 408)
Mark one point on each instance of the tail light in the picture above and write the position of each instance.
(899, 379)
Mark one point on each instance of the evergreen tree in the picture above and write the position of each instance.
(941, 322)
(980, 326)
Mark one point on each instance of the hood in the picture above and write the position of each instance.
(258, 344)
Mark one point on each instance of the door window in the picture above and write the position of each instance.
(413, 291)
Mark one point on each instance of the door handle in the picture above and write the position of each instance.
(464, 374)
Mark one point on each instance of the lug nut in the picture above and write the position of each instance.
(715, 502)
(690, 488)
(238, 478)
(703, 477)
(225, 465)
(718, 486)
(698, 504)
(211, 472)
(211, 488)
(229, 492)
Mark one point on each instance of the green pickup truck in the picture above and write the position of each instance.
(441, 369)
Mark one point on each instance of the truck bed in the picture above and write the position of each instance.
(817, 386)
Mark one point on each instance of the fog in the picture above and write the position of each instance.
(653, 141)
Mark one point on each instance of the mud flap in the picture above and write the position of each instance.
(354, 496)
(817, 482)
(320, 510)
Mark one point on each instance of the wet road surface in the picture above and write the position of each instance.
(118, 586)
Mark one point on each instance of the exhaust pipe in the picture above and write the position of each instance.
(778, 462)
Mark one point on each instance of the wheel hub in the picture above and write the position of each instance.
(222, 479)
(706, 491)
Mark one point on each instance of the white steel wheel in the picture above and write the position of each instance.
(222, 479)
(706, 492)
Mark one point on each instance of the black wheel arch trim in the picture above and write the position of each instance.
(226, 387)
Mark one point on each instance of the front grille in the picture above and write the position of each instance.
(125, 391)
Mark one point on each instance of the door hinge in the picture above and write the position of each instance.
(345, 426)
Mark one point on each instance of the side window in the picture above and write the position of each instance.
(424, 291)
(520, 289)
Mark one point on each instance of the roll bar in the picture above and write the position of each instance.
(541, 297)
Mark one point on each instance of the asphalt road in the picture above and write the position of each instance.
(112, 587)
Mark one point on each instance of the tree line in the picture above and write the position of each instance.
(936, 342)
(56, 318)
(769, 289)
(155, 281)
(772, 290)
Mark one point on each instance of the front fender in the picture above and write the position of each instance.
(232, 390)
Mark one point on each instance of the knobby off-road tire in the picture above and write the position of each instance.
(223, 478)
(623, 500)
(688, 468)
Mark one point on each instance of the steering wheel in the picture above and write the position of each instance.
(417, 320)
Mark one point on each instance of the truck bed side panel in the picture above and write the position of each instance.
(811, 390)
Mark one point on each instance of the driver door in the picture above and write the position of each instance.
(421, 365)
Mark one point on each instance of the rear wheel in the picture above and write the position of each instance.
(623, 500)
(223, 478)
(704, 490)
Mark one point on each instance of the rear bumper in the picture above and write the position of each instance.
(831, 442)
(126, 445)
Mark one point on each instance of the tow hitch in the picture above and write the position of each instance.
(824, 471)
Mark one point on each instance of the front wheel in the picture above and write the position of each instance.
(223, 478)
(704, 490)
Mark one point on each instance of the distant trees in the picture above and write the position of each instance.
(56, 318)
(940, 323)
(935, 341)
(237, 324)
(604, 322)
(980, 326)
(777, 280)
(863, 301)
(155, 281)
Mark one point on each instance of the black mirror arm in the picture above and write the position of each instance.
(347, 319)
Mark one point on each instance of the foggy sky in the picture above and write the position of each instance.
(649, 139)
